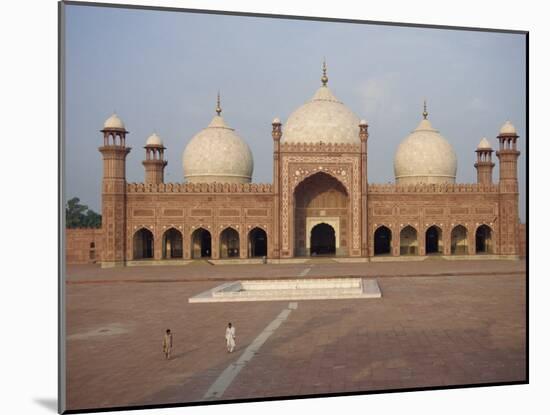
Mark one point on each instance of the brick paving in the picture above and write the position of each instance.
(425, 331)
(201, 270)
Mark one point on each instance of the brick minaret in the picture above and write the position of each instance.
(484, 164)
(113, 209)
(508, 188)
(276, 134)
(154, 162)
(364, 136)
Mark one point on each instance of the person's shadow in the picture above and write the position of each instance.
(48, 403)
(182, 354)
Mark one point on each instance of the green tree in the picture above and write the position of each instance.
(79, 216)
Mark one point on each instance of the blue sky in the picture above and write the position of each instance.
(160, 71)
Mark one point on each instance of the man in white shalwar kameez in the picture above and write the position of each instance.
(230, 338)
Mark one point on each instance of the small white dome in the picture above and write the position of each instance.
(154, 140)
(484, 144)
(323, 118)
(508, 128)
(363, 122)
(113, 122)
(276, 120)
(217, 154)
(425, 157)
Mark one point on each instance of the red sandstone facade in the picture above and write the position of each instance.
(320, 203)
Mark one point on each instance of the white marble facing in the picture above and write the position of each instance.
(295, 289)
(217, 154)
(323, 118)
(425, 156)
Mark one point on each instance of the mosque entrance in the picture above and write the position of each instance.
(201, 244)
(321, 199)
(323, 240)
(433, 240)
(257, 243)
(143, 244)
(483, 240)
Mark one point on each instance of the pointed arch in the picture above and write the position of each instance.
(323, 240)
(172, 244)
(143, 242)
(434, 240)
(382, 240)
(257, 242)
(320, 197)
(484, 239)
(229, 243)
(408, 241)
(201, 243)
(459, 240)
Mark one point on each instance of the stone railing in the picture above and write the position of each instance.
(320, 147)
(199, 188)
(433, 188)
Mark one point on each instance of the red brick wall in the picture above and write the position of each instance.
(79, 248)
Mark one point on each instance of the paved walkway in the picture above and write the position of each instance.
(202, 271)
(425, 331)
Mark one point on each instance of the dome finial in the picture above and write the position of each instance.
(425, 113)
(324, 78)
(218, 105)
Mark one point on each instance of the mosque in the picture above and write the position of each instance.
(319, 203)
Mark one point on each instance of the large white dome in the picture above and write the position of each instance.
(425, 156)
(323, 118)
(217, 154)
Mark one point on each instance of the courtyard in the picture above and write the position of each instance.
(438, 323)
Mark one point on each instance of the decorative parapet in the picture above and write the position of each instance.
(434, 188)
(320, 147)
(199, 188)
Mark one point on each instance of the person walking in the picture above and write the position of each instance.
(167, 344)
(230, 337)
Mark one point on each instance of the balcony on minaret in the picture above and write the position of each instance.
(508, 157)
(154, 162)
(484, 164)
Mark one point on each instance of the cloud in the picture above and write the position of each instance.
(477, 104)
(380, 94)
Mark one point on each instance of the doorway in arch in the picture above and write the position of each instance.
(382, 241)
(323, 240)
(434, 242)
(201, 245)
(257, 243)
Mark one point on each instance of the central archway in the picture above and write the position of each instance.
(322, 240)
(321, 199)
